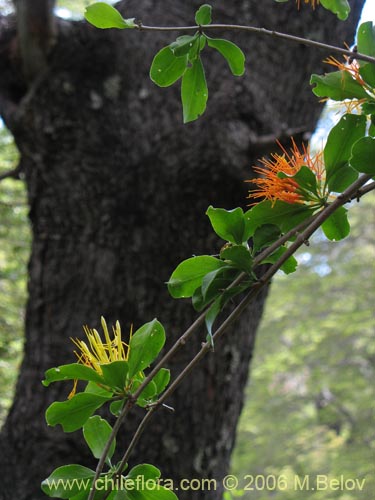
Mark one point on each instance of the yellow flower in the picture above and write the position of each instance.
(97, 353)
(272, 186)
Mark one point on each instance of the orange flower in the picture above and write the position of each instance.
(313, 3)
(350, 67)
(273, 186)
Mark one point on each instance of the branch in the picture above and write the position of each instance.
(260, 31)
(11, 174)
(36, 33)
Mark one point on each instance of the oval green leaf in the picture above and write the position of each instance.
(339, 7)
(145, 345)
(337, 227)
(203, 14)
(96, 432)
(230, 225)
(103, 15)
(363, 155)
(231, 52)
(366, 39)
(68, 481)
(74, 371)
(340, 141)
(194, 91)
(166, 68)
(73, 413)
(338, 85)
(189, 274)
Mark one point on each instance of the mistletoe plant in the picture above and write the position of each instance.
(296, 193)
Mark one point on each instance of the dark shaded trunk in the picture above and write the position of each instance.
(118, 188)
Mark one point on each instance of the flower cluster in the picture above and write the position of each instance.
(97, 352)
(277, 182)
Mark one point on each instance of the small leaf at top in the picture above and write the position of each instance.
(166, 68)
(203, 14)
(194, 91)
(231, 52)
(103, 15)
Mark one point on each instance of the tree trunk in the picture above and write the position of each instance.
(118, 189)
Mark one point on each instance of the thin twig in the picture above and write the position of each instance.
(259, 31)
(11, 174)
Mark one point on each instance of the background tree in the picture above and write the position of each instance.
(117, 189)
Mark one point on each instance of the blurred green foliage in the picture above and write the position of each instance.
(14, 253)
(310, 401)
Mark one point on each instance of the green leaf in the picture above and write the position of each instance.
(161, 380)
(306, 179)
(183, 44)
(116, 406)
(363, 155)
(115, 374)
(210, 317)
(339, 7)
(367, 72)
(336, 227)
(289, 266)
(231, 52)
(142, 484)
(213, 284)
(338, 85)
(230, 225)
(366, 39)
(68, 481)
(94, 388)
(342, 179)
(96, 432)
(340, 141)
(74, 371)
(148, 395)
(145, 345)
(73, 413)
(194, 91)
(239, 257)
(189, 274)
(166, 68)
(284, 215)
(203, 14)
(264, 236)
(103, 15)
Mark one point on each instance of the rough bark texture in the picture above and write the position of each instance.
(118, 188)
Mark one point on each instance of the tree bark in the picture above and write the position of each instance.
(118, 189)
